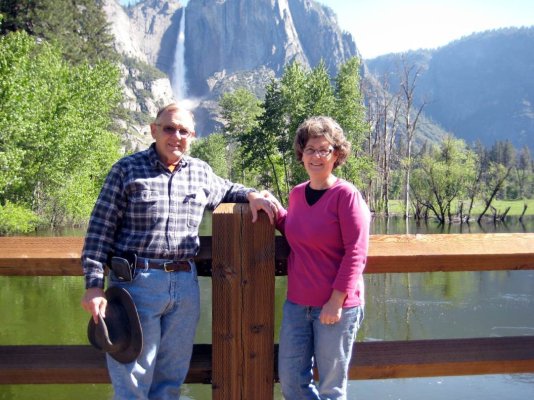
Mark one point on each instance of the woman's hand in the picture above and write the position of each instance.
(331, 311)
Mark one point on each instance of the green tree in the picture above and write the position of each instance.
(16, 15)
(297, 98)
(240, 112)
(78, 27)
(16, 219)
(494, 178)
(213, 150)
(319, 98)
(524, 173)
(289, 101)
(349, 112)
(266, 145)
(55, 145)
(504, 153)
(442, 176)
(261, 147)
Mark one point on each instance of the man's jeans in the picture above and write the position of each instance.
(304, 338)
(169, 307)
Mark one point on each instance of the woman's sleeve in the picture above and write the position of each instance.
(280, 222)
(354, 220)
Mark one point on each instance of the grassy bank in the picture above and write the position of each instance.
(516, 207)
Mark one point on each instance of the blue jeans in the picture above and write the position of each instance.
(303, 339)
(169, 308)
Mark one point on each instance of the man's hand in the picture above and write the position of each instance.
(269, 196)
(258, 201)
(94, 302)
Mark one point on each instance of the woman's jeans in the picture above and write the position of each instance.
(303, 339)
(169, 308)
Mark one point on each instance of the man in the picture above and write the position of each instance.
(147, 216)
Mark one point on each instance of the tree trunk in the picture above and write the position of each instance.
(525, 206)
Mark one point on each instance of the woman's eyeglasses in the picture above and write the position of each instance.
(172, 130)
(323, 153)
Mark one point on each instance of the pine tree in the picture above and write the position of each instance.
(16, 15)
(78, 27)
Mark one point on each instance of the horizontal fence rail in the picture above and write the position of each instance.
(372, 360)
(243, 348)
(60, 256)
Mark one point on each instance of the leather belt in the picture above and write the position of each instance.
(166, 265)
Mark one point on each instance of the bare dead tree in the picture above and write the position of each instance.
(525, 206)
(474, 189)
(498, 185)
(372, 122)
(383, 113)
(411, 113)
(388, 117)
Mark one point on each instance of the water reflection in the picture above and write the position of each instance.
(398, 226)
(46, 310)
(380, 225)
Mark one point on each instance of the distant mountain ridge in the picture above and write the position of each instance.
(480, 87)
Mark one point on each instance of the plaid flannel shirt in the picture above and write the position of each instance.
(146, 209)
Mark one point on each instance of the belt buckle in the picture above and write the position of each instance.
(165, 266)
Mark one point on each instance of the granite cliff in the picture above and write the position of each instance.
(225, 39)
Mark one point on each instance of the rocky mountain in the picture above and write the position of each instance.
(145, 87)
(245, 35)
(228, 39)
(480, 87)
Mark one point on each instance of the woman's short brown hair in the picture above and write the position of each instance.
(321, 126)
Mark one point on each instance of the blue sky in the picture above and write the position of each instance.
(386, 26)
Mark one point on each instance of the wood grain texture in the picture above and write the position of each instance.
(371, 360)
(60, 256)
(243, 304)
(38, 364)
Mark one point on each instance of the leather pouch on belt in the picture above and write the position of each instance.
(123, 268)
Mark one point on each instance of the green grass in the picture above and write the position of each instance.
(516, 207)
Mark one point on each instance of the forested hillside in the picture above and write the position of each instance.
(479, 87)
(59, 85)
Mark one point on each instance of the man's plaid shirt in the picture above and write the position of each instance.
(146, 209)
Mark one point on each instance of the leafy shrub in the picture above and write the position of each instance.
(17, 219)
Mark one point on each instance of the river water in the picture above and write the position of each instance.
(45, 310)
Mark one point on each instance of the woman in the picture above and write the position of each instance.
(327, 228)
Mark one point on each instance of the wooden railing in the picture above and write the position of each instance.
(243, 259)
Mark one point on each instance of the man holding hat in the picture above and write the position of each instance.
(144, 226)
(119, 332)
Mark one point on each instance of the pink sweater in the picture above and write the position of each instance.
(329, 242)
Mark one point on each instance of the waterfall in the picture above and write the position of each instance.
(179, 86)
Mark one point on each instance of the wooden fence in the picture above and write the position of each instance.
(243, 258)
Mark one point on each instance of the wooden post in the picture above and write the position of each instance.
(243, 304)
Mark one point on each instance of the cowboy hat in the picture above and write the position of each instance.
(119, 333)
